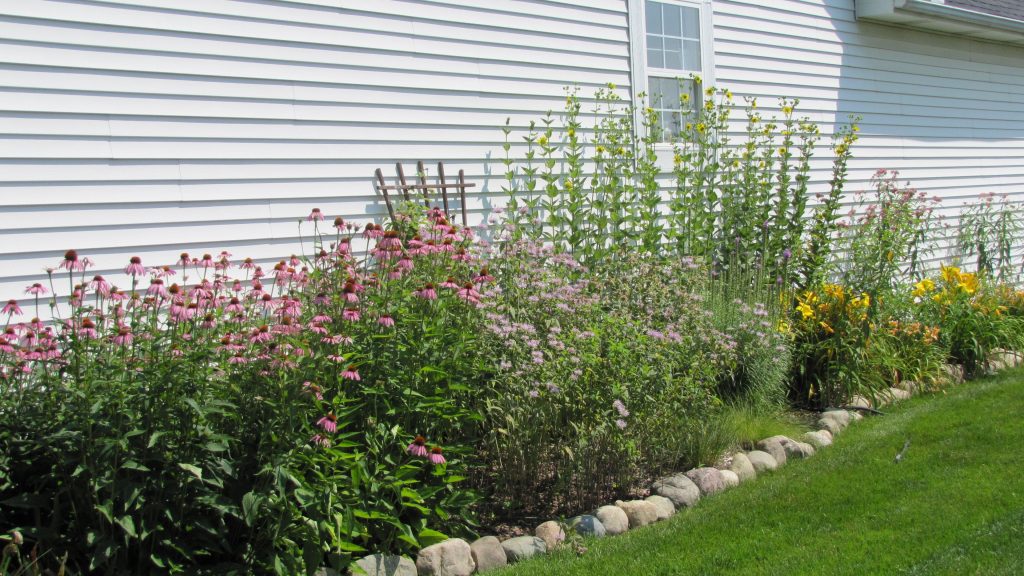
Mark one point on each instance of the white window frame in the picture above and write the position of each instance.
(638, 50)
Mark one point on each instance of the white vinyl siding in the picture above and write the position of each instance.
(148, 127)
(945, 111)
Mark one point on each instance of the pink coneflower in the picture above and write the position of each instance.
(209, 322)
(350, 315)
(339, 223)
(321, 318)
(72, 263)
(344, 246)
(206, 261)
(100, 285)
(468, 294)
(162, 272)
(348, 292)
(318, 328)
(386, 321)
(405, 263)
(450, 284)
(320, 440)
(313, 389)
(157, 288)
(351, 373)
(87, 329)
(315, 216)
(418, 447)
(373, 230)
(483, 276)
(329, 422)
(234, 305)
(134, 267)
(390, 241)
(428, 292)
(124, 336)
(436, 458)
(238, 359)
(11, 308)
(261, 334)
(36, 289)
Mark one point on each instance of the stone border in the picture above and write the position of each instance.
(456, 557)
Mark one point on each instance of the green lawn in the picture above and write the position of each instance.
(955, 505)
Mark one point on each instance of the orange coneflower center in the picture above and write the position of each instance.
(71, 256)
(436, 450)
(420, 441)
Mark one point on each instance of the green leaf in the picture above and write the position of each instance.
(128, 525)
(152, 439)
(428, 537)
(250, 507)
(312, 555)
(192, 469)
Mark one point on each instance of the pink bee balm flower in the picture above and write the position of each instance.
(351, 373)
(11, 308)
(315, 216)
(436, 458)
(134, 267)
(329, 423)
(386, 321)
(418, 447)
(36, 289)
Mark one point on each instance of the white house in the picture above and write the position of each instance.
(150, 127)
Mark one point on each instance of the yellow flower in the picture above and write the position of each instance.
(824, 326)
(572, 131)
(543, 140)
(923, 287)
(599, 149)
(806, 311)
(782, 327)
(787, 109)
(701, 127)
(678, 158)
(968, 283)
(951, 274)
(834, 291)
(684, 98)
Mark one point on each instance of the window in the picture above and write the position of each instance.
(674, 46)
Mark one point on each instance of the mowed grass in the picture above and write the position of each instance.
(954, 505)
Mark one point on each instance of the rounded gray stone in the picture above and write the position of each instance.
(731, 479)
(762, 461)
(453, 557)
(742, 467)
(384, 565)
(679, 489)
(665, 507)
(708, 480)
(842, 416)
(587, 525)
(551, 533)
(613, 518)
(818, 438)
(639, 512)
(774, 447)
(523, 547)
(488, 553)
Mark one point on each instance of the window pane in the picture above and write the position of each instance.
(691, 55)
(691, 23)
(673, 54)
(655, 54)
(672, 17)
(653, 14)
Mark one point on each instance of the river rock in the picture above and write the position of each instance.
(551, 533)
(762, 461)
(488, 553)
(523, 547)
(587, 525)
(708, 480)
(679, 489)
(666, 509)
(730, 478)
(613, 518)
(773, 446)
(742, 467)
(818, 438)
(385, 565)
(639, 512)
(452, 557)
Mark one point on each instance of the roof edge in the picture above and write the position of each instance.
(894, 10)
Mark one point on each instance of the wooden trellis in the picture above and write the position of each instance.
(424, 187)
